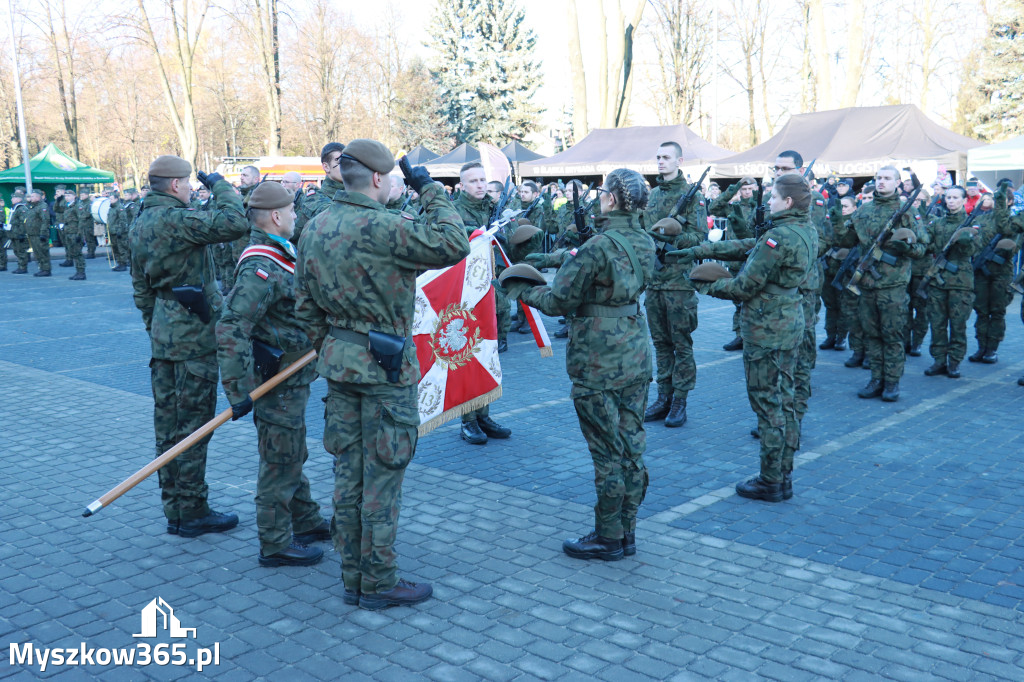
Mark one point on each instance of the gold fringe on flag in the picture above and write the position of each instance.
(459, 410)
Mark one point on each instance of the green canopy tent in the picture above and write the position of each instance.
(52, 167)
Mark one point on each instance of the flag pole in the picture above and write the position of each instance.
(17, 96)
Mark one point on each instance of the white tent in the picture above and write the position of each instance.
(994, 162)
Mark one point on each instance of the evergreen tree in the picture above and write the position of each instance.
(484, 70)
(999, 83)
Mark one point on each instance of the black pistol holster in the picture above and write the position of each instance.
(387, 350)
(194, 300)
(267, 359)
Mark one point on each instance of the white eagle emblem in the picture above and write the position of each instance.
(453, 338)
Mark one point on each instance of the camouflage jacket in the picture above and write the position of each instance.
(476, 213)
(168, 247)
(357, 271)
(543, 215)
(83, 214)
(961, 250)
(239, 244)
(315, 204)
(20, 223)
(675, 276)
(769, 283)
(604, 353)
(999, 221)
(116, 219)
(59, 204)
(739, 214)
(72, 219)
(261, 306)
(862, 228)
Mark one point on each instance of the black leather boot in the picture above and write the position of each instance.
(953, 370)
(658, 409)
(840, 343)
(593, 546)
(978, 354)
(759, 489)
(990, 357)
(676, 413)
(294, 554)
(872, 390)
(472, 434)
(629, 544)
(492, 428)
(891, 392)
(828, 344)
(855, 359)
(404, 593)
(214, 522)
(735, 344)
(938, 367)
(915, 351)
(787, 485)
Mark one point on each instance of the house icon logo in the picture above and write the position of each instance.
(166, 620)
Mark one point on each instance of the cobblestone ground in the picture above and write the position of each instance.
(900, 555)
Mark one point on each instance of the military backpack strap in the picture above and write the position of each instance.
(634, 262)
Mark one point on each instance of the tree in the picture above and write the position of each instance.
(258, 20)
(999, 78)
(748, 28)
(681, 37)
(416, 119)
(484, 69)
(64, 62)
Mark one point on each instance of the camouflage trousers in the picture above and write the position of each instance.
(836, 324)
(90, 240)
(992, 295)
(917, 314)
(849, 307)
(770, 389)
(284, 504)
(224, 262)
(73, 248)
(612, 422)
(672, 317)
(948, 312)
(883, 317)
(20, 246)
(184, 398)
(41, 248)
(119, 247)
(806, 354)
(503, 308)
(372, 431)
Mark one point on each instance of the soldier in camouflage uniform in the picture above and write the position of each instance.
(117, 227)
(474, 208)
(37, 231)
(542, 214)
(917, 313)
(72, 236)
(739, 217)
(17, 223)
(773, 326)
(261, 309)
(951, 294)
(884, 300)
(356, 273)
(608, 358)
(86, 225)
(671, 301)
(992, 293)
(248, 180)
(168, 251)
(320, 200)
(836, 329)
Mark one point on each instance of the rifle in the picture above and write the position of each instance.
(759, 221)
(875, 253)
(677, 211)
(848, 264)
(942, 260)
(408, 198)
(988, 254)
(807, 171)
(579, 216)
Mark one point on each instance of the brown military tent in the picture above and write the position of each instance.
(448, 166)
(606, 149)
(856, 141)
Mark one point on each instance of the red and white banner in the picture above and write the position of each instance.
(495, 163)
(456, 335)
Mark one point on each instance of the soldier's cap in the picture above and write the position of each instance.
(1006, 244)
(523, 234)
(523, 272)
(58, 187)
(523, 221)
(170, 166)
(669, 226)
(971, 183)
(371, 154)
(39, 192)
(270, 195)
(131, 190)
(904, 234)
(83, 190)
(18, 193)
(709, 272)
(868, 187)
(845, 181)
(747, 180)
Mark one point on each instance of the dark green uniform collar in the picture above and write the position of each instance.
(618, 219)
(790, 215)
(893, 198)
(475, 203)
(359, 199)
(155, 198)
(675, 183)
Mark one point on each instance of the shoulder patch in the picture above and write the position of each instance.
(261, 273)
(819, 202)
(572, 252)
(408, 216)
(917, 217)
(771, 243)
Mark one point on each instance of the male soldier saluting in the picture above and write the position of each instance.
(355, 294)
(172, 276)
(671, 301)
(260, 312)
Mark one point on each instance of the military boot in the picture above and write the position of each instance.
(915, 351)
(735, 344)
(828, 344)
(295, 554)
(840, 343)
(91, 253)
(214, 522)
(502, 345)
(42, 273)
(658, 409)
(472, 434)
(120, 268)
(990, 357)
(787, 485)
(891, 392)
(676, 413)
(351, 597)
(562, 332)
(978, 354)
(520, 326)
(20, 271)
(66, 264)
(404, 593)
(318, 533)
(953, 370)
(593, 546)
(77, 276)
(629, 544)
(855, 359)
(757, 488)
(872, 390)
(492, 428)
(938, 367)
(755, 432)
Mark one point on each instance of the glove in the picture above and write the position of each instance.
(419, 178)
(516, 287)
(898, 248)
(702, 287)
(209, 180)
(681, 257)
(241, 409)
(537, 260)
(966, 234)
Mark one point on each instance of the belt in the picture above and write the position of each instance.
(779, 291)
(350, 336)
(594, 310)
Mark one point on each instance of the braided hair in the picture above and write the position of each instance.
(629, 189)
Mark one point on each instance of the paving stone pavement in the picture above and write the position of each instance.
(899, 557)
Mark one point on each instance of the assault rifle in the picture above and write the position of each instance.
(875, 253)
(942, 260)
(988, 254)
(681, 207)
(579, 216)
(848, 264)
(759, 220)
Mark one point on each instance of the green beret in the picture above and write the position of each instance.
(170, 166)
(371, 154)
(524, 272)
(709, 271)
(523, 233)
(270, 195)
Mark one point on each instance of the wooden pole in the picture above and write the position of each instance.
(196, 436)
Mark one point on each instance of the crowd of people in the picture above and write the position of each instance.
(235, 284)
